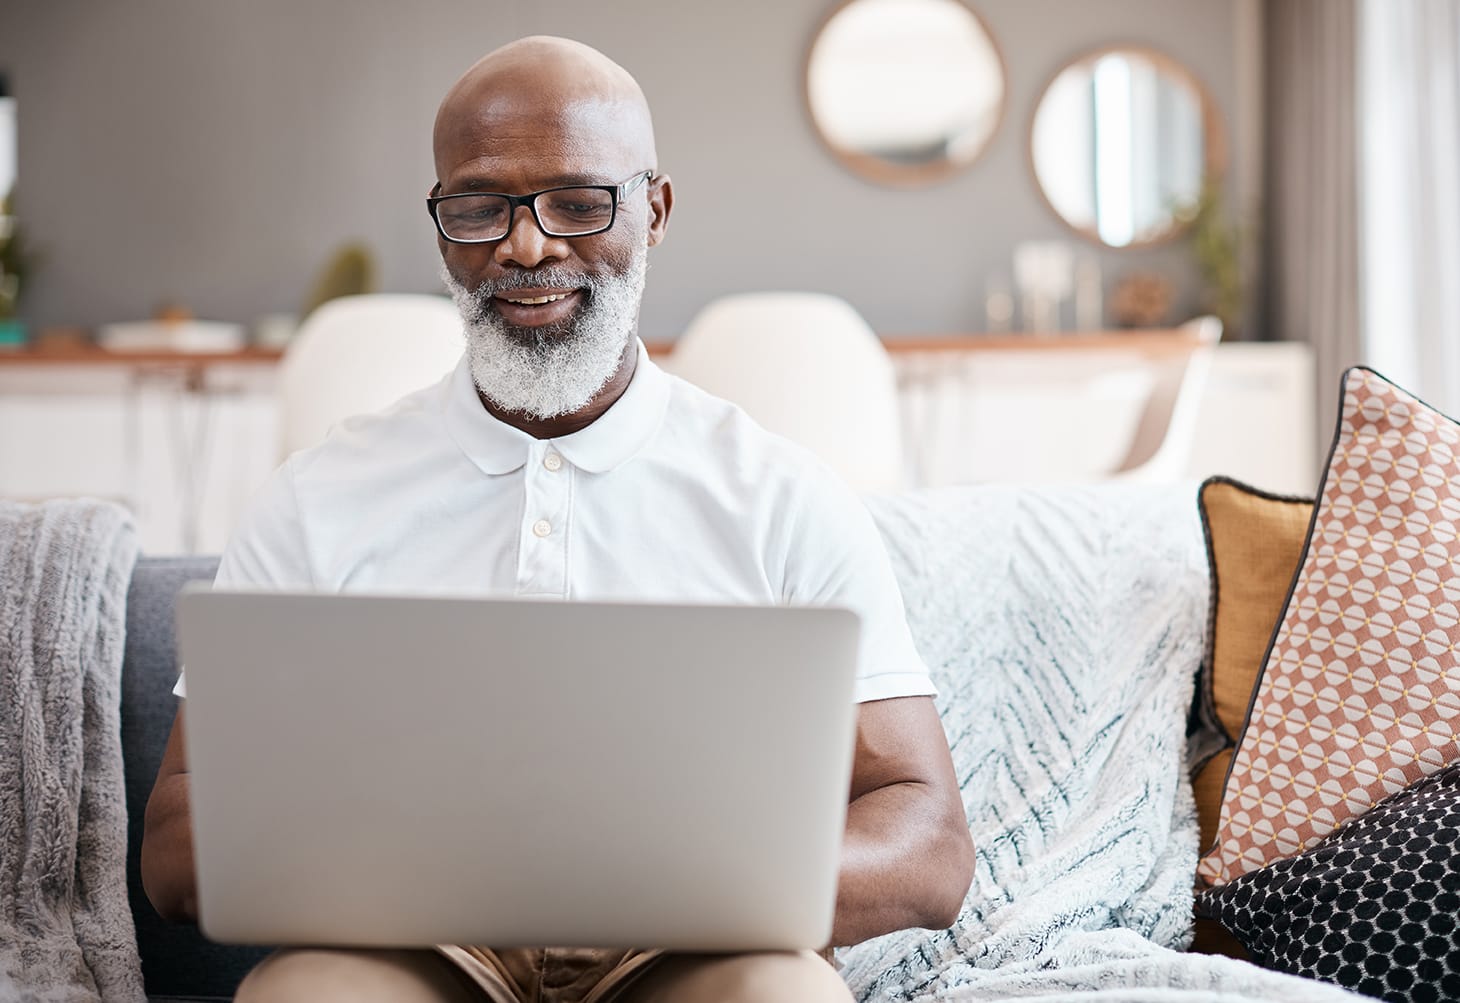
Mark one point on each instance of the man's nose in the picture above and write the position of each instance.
(526, 245)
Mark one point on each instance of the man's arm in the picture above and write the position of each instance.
(907, 859)
(167, 836)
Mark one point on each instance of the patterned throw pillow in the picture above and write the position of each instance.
(1373, 907)
(1360, 689)
(1254, 543)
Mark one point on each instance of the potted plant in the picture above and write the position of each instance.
(1216, 245)
(15, 263)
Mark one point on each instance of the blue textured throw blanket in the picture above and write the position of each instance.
(1063, 628)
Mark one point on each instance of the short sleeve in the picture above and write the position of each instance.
(835, 557)
(267, 550)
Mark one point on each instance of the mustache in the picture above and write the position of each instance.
(536, 278)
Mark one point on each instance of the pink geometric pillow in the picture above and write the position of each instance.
(1360, 689)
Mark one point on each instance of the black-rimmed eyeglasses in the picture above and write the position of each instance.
(570, 211)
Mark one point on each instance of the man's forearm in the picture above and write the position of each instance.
(905, 863)
(167, 851)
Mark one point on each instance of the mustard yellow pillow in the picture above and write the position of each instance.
(1254, 543)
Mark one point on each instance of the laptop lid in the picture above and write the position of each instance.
(405, 771)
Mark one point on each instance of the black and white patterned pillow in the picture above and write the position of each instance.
(1374, 907)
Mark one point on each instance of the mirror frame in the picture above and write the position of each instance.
(877, 170)
(1214, 136)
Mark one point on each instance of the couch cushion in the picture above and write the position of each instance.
(176, 959)
(1360, 689)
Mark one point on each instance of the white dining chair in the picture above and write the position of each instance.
(1058, 412)
(1160, 452)
(358, 354)
(805, 366)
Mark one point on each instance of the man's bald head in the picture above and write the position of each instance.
(547, 85)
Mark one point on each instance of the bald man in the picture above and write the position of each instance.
(558, 460)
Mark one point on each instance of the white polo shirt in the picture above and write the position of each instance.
(671, 495)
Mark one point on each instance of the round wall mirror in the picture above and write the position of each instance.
(905, 92)
(1122, 143)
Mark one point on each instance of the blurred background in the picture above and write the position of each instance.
(1026, 202)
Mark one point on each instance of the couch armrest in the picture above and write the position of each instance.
(177, 961)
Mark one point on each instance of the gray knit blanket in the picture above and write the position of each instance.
(65, 927)
(1063, 628)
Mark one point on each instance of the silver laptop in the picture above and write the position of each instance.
(389, 771)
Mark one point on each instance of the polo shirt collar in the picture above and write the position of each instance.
(619, 433)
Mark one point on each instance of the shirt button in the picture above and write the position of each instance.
(552, 461)
(542, 527)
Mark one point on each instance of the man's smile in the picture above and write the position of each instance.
(536, 307)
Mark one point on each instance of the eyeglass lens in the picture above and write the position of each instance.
(562, 213)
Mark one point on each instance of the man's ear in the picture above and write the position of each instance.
(661, 200)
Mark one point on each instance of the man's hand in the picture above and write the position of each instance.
(167, 837)
(907, 859)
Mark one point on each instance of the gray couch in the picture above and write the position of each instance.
(177, 961)
(1088, 605)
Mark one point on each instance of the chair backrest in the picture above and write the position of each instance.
(1031, 416)
(1161, 450)
(358, 354)
(805, 366)
(1058, 411)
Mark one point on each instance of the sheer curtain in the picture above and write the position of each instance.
(1312, 218)
(1410, 194)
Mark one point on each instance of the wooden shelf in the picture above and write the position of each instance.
(1145, 342)
(90, 355)
(1148, 342)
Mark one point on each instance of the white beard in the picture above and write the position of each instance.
(553, 373)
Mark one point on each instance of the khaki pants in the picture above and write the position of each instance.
(479, 975)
